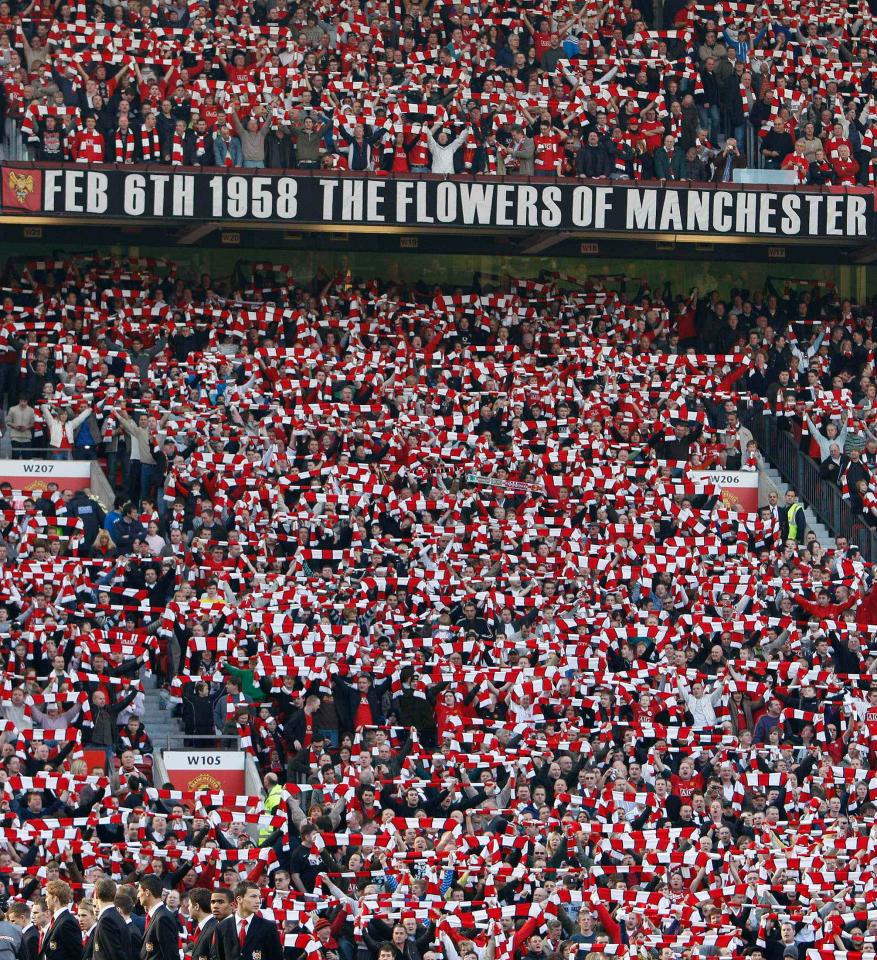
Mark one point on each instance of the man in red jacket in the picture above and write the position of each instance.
(88, 144)
(846, 169)
(822, 608)
(797, 161)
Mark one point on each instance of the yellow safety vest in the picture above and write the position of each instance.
(794, 510)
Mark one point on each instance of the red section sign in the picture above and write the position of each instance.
(33, 476)
(738, 488)
(206, 770)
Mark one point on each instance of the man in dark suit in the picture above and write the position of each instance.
(63, 937)
(111, 939)
(161, 936)
(125, 905)
(19, 914)
(199, 911)
(244, 935)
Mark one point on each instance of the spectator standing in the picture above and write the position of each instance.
(20, 420)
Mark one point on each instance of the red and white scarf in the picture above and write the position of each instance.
(227, 160)
(89, 147)
(124, 147)
(150, 147)
(200, 147)
(177, 151)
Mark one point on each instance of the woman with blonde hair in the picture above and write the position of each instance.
(103, 546)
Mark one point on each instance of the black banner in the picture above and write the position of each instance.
(418, 204)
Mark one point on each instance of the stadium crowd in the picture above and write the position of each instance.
(519, 683)
(683, 90)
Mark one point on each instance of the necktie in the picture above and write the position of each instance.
(242, 933)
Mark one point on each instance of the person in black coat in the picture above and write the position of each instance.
(279, 150)
(199, 910)
(161, 938)
(593, 160)
(197, 711)
(19, 914)
(111, 940)
(261, 939)
(88, 511)
(361, 703)
(124, 903)
(198, 146)
(63, 939)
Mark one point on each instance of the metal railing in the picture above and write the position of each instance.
(802, 473)
(14, 148)
(42, 453)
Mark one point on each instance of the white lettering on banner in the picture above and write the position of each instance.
(97, 200)
(671, 214)
(722, 220)
(642, 210)
(857, 216)
(159, 181)
(73, 187)
(184, 196)
(403, 200)
(422, 215)
(135, 195)
(477, 202)
(698, 220)
(374, 201)
(446, 203)
(745, 219)
(604, 205)
(791, 221)
(262, 203)
(352, 197)
(813, 203)
(527, 200)
(834, 218)
(766, 215)
(287, 198)
(328, 187)
(582, 206)
(419, 203)
(551, 198)
(51, 189)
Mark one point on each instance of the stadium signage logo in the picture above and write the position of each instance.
(429, 204)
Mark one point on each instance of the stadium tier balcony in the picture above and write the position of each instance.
(688, 92)
(477, 577)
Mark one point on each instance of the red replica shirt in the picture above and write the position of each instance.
(541, 42)
(686, 789)
(549, 153)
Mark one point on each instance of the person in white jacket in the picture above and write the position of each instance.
(62, 430)
(442, 148)
(700, 703)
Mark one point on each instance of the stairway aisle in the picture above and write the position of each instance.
(822, 533)
(157, 717)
